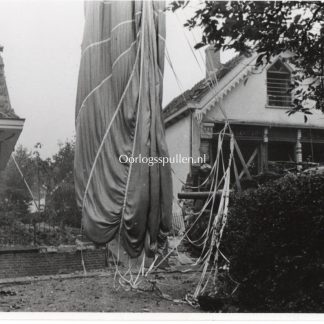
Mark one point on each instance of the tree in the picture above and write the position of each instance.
(61, 200)
(270, 28)
(14, 194)
(53, 175)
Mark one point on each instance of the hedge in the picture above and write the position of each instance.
(274, 239)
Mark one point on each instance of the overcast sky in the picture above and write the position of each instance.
(42, 41)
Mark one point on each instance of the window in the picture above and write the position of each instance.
(279, 85)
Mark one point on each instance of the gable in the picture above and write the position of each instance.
(10, 124)
(247, 103)
(242, 92)
(6, 110)
(196, 94)
(205, 90)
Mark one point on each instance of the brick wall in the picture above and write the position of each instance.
(40, 261)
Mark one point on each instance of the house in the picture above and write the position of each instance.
(10, 124)
(255, 101)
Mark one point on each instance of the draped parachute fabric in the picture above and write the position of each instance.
(118, 113)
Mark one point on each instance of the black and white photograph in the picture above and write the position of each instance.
(162, 159)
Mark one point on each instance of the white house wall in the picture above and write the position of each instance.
(178, 140)
(247, 103)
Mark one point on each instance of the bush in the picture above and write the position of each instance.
(196, 233)
(274, 239)
(62, 205)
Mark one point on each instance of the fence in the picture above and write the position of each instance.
(17, 233)
(35, 261)
(35, 234)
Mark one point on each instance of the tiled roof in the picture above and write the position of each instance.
(199, 89)
(6, 110)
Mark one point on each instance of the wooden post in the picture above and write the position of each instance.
(299, 151)
(190, 143)
(265, 149)
(263, 152)
(196, 134)
(206, 136)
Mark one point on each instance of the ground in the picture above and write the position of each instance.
(96, 293)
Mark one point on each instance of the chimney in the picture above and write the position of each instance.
(213, 63)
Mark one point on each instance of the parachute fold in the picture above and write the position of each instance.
(118, 114)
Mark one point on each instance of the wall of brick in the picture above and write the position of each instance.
(36, 262)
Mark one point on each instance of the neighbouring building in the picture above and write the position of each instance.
(10, 124)
(255, 101)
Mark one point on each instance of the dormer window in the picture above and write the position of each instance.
(279, 85)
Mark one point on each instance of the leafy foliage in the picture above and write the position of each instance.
(269, 28)
(61, 203)
(53, 176)
(274, 239)
(14, 195)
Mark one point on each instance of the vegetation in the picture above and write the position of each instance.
(269, 28)
(274, 241)
(274, 237)
(61, 200)
(14, 195)
(47, 178)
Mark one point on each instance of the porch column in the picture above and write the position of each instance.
(299, 150)
(263, 152)
(206, 135)
(195, 138)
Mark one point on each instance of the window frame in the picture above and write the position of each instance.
(289, 69)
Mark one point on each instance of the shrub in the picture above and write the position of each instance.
(274, 239)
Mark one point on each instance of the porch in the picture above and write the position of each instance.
(267, 148)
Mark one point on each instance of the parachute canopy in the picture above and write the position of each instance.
(118, 115)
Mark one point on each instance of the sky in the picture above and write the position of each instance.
(42, 47)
